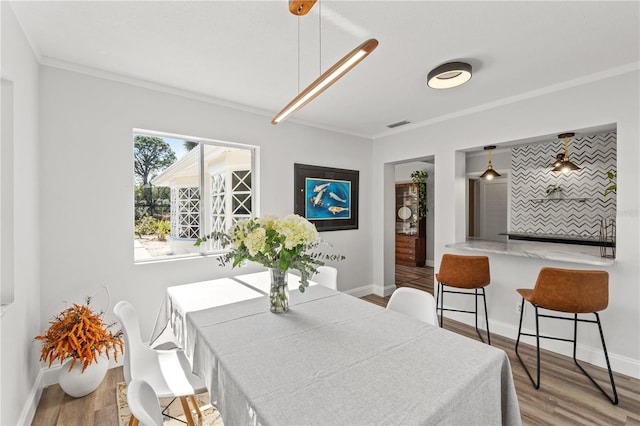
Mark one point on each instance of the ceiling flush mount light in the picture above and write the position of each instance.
(565, 166)
(449, 75)
(489, 173)
(331, 75)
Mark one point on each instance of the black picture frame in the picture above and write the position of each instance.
(326, 196)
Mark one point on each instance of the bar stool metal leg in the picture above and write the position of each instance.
(439, 299)
(440, 306)
(613, 400)
(439, 303)
(486, 318)
(536, 383)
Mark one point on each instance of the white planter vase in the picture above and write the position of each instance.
(78, 384)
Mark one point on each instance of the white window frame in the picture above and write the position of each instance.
(205, 191)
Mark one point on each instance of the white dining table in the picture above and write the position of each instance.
(181, 299)
(333, 359)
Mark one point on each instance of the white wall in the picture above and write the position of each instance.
(20, 322)
(87, 191)
(600, 102)
(476, 162)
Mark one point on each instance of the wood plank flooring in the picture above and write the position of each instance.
(565, 397)
(98, 408)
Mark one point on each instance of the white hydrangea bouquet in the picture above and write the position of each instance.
(279, 244)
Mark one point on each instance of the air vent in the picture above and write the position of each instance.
(398, 124)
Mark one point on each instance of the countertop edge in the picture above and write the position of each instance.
(539, 250)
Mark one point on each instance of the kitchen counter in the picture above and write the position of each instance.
(588, 255)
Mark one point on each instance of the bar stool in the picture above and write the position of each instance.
(464, 273)
(570, 291)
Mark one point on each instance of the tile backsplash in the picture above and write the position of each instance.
(583, 202)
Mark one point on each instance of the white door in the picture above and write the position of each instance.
(492, 213)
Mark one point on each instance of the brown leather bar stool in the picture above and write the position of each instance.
(571, 291)
(464, 273)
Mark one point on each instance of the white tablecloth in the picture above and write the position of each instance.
(208, 294)
(336, 360)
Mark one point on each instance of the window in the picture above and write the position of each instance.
(186, 188)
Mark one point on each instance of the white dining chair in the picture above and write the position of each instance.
(414, 303)
(326, 276)
(143, 403)
(167, 371)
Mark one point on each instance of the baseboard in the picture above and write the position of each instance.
(50, 375)
(385, 291)
(31, 404)
(365, 290)
(388, 289)
(619, 363)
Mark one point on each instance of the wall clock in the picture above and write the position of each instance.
(404, 213)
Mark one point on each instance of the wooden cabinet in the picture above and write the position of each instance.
(410, 230)
(410, 250)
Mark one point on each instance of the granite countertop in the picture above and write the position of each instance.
(589, 255)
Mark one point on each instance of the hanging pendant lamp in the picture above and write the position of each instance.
(558, 160)
(565, 165)
(489, 173)
(330, 76)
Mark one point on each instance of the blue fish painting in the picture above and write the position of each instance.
(327, 199)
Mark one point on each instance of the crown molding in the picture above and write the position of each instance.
(172, 90)
(134, 81)
(147, 84)
(612, 72)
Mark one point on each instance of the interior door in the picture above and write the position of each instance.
(492, 212)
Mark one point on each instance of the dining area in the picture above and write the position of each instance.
(330, 359)
(275, 347)
(284, 346)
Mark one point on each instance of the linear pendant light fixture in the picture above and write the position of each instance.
(565, 165)
(489, 173)
(330, 76)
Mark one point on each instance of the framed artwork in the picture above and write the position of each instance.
(327, 197)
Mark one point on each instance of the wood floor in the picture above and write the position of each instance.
(565, 397)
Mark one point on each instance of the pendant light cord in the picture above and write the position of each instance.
(298, 55)
(320, 36)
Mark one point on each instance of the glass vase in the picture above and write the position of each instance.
(279, 293)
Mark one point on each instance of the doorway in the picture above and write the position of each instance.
(488, 209)
(420, 277)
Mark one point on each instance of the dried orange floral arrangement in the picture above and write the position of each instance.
(80, 334)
